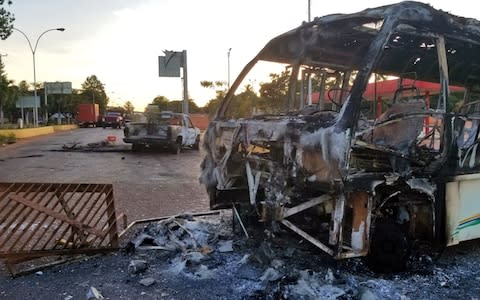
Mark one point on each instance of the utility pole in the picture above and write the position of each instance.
(228, 66)
(309, 11)
(185, 82)
(309, 93)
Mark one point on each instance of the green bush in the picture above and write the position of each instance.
(8, 139)
(11, 138)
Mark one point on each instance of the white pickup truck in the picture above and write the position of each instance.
(165, 130)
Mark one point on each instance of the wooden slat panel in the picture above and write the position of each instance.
(38, 219)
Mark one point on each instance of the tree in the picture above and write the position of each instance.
(161, 102)
(23, 88)
(94, 89)
(244, 104)
(128, 106)
(164, 103)
(4, 95)
(274, 93)
(6, 20)
(220, 88)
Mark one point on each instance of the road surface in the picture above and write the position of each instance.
(147, 184)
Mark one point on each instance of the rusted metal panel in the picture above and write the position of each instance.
(41, 219)
(360, 222)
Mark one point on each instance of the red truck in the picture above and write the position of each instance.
(87, 114)
(112, 119)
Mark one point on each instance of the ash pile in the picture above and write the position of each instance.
(274, 266)
(188, 244)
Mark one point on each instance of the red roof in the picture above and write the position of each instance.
(387, 88)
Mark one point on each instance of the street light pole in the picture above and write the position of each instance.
(33, 50)
(309, 88)
(228, 56)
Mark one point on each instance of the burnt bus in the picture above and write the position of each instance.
(314, 144)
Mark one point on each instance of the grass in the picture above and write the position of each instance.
(8, 139)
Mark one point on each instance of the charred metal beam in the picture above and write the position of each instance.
(306, 205)
(307, 236)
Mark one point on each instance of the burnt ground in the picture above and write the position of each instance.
(280, 267)
(153, 184)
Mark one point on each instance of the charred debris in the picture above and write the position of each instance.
(340, 157)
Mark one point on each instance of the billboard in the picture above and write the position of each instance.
(27, 102)
(58, 87)
(169, 65)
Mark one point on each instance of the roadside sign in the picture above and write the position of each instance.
(27, 102)
(169, 65)
(58, 87)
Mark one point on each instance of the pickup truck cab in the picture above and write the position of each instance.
(112, 119)
(163, 129)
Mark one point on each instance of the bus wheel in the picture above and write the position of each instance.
(389, 248)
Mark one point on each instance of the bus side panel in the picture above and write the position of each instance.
(463, 209)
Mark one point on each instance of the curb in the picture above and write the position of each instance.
(32, 132)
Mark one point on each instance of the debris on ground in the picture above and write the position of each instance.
(183, 234)
(94, 294)
(137, 266)
(147, 281)
(270, 274)
(280, 267)
(101, 146)
(225, 246)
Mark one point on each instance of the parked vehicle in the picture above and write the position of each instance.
(113, 119)
(163, 129)
(362, 175)
(87, 114)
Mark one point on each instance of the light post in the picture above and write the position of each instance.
(228, 56)
(309, 88)
(34, 49)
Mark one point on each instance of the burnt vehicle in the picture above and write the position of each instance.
(353, 173)
(164, 129)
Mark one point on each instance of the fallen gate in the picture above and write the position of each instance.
(44, 219)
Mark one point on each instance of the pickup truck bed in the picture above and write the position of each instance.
(166, 130)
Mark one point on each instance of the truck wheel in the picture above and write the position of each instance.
(175, 148)
(389, 248)
(196, 146)
(137, 147)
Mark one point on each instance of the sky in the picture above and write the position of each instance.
(119, 41)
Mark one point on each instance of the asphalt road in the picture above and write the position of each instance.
(155, 184)
(147, 184)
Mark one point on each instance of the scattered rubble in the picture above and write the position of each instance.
(137, 266)
(147, 281)
(100, 146)
(225, 246)
(271, 274)
(183, 234)
(94, 294)
(279, 267)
